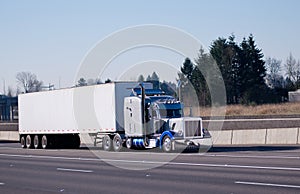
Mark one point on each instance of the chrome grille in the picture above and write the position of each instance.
(192, 128)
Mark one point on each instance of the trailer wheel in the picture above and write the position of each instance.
(106, 143)
(44, 142)
(117, 143)
(167, 144)
(28, 141)
(22, 141)
(128, 143)
(36, 142)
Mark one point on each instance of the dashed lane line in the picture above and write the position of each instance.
(267, 184)
(74, 170)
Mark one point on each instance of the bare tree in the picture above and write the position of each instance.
(273, 72)
(93, 81)
(292, 68)
(29, 82)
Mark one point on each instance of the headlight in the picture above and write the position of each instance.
(180, 133)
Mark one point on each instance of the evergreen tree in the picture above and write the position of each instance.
(154, 79)
(108, 80)
(169, 88)
(202, 75)
(148, 78)
(188, 82)
(225, 54)
(242, 67)
(252, 72)
(187, 68)
(141, 78)
(81, 82)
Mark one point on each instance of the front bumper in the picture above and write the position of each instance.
(201, 144)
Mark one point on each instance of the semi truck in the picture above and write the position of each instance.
(116, 115)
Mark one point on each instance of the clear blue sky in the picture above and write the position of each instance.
(50, 38)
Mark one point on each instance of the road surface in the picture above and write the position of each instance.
(223, 170)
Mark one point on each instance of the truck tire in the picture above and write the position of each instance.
(44, 142)
(129, 143)
(117, 143)
(36, 142)
(167, 144)
(28, 142)
(106, 143)
(23, 141)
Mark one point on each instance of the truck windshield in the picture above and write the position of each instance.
(170, 113)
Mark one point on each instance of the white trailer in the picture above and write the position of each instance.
(47, 117)
(116, 113)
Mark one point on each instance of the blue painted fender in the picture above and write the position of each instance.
(165, 133)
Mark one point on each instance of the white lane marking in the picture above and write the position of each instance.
(186, 154)
(253, 156)
(268, 119)
(181, 154)
(1, 184)
(267, 184)
(74, 170)
(156, 162)
(12, 148)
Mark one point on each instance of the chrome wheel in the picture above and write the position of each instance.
(44, 142)
(167, 144)
(117, 143)
(106, 143)
(128, 143)
(36, 142)
(28, 141)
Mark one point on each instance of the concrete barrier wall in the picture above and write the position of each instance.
(249, 136)
(222, 137)
(278, 136)
(9, 132)
(282, 136)
(9, 136)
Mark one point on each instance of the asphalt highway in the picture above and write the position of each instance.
(274, 169)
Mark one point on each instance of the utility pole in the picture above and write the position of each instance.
(179, 91)
(4, 87)
(59, 82)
